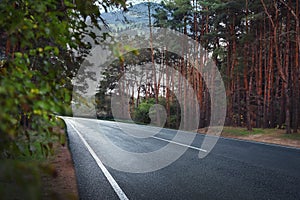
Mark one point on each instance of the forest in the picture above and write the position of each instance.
(255, 45)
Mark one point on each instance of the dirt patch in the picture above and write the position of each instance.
(269, 138)
(272, 137)
(61, 184)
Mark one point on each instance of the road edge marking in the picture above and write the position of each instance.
(111, 180)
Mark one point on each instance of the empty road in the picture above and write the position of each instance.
(109, 164)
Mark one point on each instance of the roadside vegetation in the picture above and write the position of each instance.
(20, 176)
(40, 51)
(271, 135)
(243, 131)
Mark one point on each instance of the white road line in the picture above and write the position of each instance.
(171, 141)
(111, 180)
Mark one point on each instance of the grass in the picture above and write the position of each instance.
(271, 133)
(293, 136)
(238, 131)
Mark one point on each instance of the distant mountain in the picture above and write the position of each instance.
(136, 15)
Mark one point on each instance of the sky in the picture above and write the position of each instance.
(140, 1)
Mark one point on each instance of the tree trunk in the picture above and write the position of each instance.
(260, 78)
(286, 83)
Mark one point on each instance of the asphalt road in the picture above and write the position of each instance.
(234, 169)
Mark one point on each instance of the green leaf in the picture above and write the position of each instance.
(56, 51)
(18, 55)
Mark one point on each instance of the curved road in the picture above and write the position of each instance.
(234, 169)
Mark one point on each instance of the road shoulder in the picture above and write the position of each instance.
(268, 136)
(62, 184)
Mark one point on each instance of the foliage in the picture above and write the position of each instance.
(141, 113)
(41, 48)
(20, 180)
